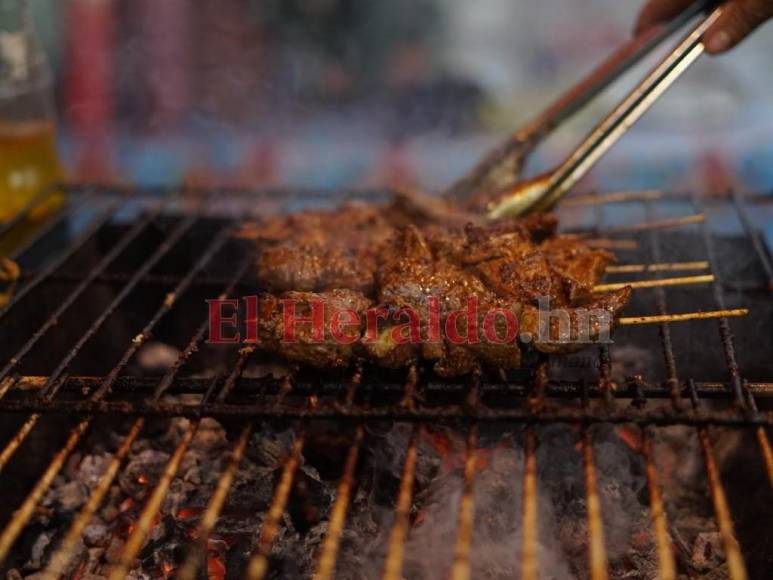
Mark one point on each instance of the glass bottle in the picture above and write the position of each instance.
(29, 163)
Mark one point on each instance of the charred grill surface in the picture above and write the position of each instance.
(107, 331)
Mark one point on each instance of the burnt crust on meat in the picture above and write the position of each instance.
(398, 257)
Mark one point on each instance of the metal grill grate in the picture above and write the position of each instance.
(165, 251)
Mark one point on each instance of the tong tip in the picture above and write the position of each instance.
(524, 197)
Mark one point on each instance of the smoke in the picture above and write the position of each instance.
(498, 488)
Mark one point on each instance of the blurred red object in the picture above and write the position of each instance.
(88, 94)
(714, 173)
(165, 27)
(259, 166)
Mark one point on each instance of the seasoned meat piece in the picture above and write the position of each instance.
(312, 343)
(322, 250)
(322, 226)
(579, 266)
(534, 227)
(412, 277)
(568, 330)
(561, 267)
(316, 266)
(510, 264)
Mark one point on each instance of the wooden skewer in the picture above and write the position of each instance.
(607, 244)
(658, 224)
(735, 312)
(612, 197)
(662, 267)
(657, 283)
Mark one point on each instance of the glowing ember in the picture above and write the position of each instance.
(215, 567)
(631, 435)
(167, 569)
(187, 513)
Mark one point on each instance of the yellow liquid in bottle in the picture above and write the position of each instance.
(28, 164)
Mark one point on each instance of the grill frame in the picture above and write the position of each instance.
(38, 396)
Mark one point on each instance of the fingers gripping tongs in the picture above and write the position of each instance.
(542, 193)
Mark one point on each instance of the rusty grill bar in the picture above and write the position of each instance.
(248, 401)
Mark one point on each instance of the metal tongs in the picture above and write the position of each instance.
(544, 192)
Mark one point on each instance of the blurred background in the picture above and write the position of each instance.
(351, 93)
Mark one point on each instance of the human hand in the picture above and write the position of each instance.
(739, 19)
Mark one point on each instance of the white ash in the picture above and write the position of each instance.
(157, 356)
(629, 360)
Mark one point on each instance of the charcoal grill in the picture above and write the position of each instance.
(119, 267)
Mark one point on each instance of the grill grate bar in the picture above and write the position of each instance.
(393, 564)
(762, 436)
(328, 555)
(122, 277)
(57, 262)
(21, 435)
(460, 568)
(672, 380)
(666, 563)
(408, 401)
(258, 566)
(54, 220)
(25, 211)
(215, 507)
(724, 326)
(570, 389)
(597, 553)
(449, 415)
(249, 194)
(529, 543)
(198, 337)
(767, 452)
(754, 236)
(597, 557)
(735, 564)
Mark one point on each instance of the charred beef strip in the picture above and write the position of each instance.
(509, 266)
(324, 250)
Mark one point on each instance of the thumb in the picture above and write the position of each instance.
(739, 19)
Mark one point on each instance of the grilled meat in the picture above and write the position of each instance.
(324, 250)
(300, 343)
(401, 271)
(319, 250)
